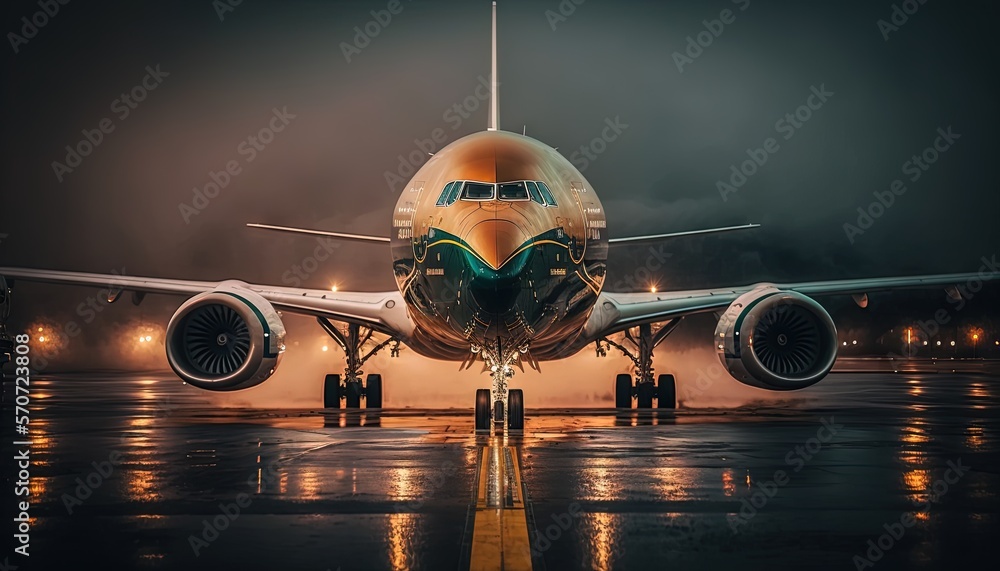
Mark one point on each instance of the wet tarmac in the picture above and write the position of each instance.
(884, 471)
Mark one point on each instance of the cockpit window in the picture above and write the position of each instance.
(443, 199)
(453, 195)
(533, 193)
(477, 191)
(513, 191)
(549, 201)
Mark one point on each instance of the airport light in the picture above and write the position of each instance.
(855, 342)
(845, 343)
(938, 343)
(652, 289)
(325, 348)
(333, 288)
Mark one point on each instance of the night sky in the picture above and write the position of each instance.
(221, 79)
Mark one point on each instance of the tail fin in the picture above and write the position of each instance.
(494, 123)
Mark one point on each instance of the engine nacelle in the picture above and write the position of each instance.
(776, 340)
(226, 339)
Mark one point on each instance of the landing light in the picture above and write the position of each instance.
(652, 289)
(333, 288)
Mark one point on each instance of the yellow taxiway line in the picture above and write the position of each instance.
(500, 532)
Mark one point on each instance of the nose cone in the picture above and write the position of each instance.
(496, 241)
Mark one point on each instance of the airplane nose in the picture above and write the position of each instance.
(495, 241)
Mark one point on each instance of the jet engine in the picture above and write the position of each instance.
(226, 339)
(776, 340)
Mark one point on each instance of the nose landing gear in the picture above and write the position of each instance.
(500, 408)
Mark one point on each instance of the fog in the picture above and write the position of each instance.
(221, 79)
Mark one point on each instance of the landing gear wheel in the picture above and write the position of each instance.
(666, 392)
(373, 392)
(515, 409)
(644, 393)
(353, 392)
(331, 391)
(483, 419)
(623, 391)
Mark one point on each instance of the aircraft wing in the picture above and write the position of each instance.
(382, 311)
(618, 311)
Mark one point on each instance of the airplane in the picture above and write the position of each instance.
(499, 249)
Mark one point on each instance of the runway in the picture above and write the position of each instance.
(805, 484)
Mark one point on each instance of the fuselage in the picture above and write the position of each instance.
(498, 241)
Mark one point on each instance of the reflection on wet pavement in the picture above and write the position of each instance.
(756, 487)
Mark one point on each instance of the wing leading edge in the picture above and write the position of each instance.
(382, 311)
(618, 311)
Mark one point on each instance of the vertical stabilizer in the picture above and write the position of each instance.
(494, 84)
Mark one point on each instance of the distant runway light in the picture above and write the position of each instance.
(952, 343)
(845, 343)
(41, 339)
(855, 342)
(325, 348)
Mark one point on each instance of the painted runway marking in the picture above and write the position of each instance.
(500, 532)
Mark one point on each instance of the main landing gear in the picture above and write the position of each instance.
(500, 405)
(645, 390)
(349, 387)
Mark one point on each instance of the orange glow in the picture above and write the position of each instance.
(728, 485)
